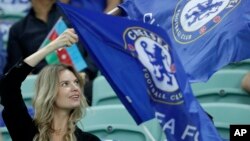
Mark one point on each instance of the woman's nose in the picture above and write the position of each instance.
(75, 86)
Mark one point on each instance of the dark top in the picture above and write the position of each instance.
(20, 125)
(27, 35)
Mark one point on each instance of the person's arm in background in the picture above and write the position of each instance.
(111, 4)
(246, 82)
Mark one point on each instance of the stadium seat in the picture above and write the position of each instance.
(222, 78)
(243, 65)
(223, 86)
(226, 114)
(5, 24)
(103, 94)
(113, 122)
(5, 134)
(17, 8)
(223, 98)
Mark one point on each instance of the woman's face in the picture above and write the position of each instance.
(69, 94)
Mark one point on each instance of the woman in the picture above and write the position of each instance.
(58, 101)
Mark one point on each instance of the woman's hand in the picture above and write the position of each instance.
(66, 39)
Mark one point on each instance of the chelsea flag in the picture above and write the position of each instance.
(206, 34)
(144, 70)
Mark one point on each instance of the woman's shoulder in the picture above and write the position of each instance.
(80, 135)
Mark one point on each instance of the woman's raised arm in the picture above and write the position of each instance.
(67, 38)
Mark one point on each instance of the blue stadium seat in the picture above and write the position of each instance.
(103, 94)
(113, 122)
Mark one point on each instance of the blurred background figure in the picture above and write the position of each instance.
(10, 12)
(2, 55)
(246, 83)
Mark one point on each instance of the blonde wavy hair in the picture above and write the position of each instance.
(46, 90)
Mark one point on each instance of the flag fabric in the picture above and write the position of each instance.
(92, 5)
(143, 69)
(71, 56)
(207, 34)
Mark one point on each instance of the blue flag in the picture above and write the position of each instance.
(143, 69)
(207, 34)
(93, 5)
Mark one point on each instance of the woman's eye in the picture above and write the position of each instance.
(77, 82)
(64, 84)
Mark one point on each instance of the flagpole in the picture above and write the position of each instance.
(148, 133)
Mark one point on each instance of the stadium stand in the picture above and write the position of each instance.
(243, 65)
(103, 94)
(113, 122)
(5, 134)
(223, 98)
(14, 8)
(28, 89)
(11, 12)
(223, 86)
(226, 114)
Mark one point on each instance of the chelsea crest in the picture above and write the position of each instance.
(194, 18)
(158, 66)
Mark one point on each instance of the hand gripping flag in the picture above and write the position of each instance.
(71, 56)
(143, 69)
(206, 34)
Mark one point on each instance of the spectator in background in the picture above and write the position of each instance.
(58, 102)
(27, 35)
(2, 55)
(246, 82)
